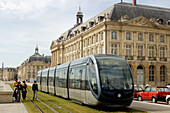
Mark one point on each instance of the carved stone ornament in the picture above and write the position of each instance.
(124, 18)
(141, 21)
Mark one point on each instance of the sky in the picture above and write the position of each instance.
(27, 23)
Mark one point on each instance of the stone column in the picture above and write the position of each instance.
(157, 74)
(156, 49)
(81, 46)
(134, 38)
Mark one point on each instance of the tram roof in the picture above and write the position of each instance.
(106, 55)
(65, 65)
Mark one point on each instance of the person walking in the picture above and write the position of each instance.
(24, 90)
(15, 88)
(19, 90)
(35, 89)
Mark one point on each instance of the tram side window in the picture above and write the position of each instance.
(83, 78)
(57, 77)
(92, 77)
(60, 79)
(78, 77)
(64, 78)
(51, 78)
(44, 78)
(72, 73)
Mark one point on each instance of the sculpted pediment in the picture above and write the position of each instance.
(53, 44)
(141, 21)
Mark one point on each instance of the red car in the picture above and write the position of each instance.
(137, 90)
(154, 94)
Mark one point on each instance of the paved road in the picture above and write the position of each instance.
(148, 106)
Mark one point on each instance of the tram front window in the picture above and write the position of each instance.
(114, 73)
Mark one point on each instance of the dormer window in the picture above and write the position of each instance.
(160, 21)
(75, 32)
(91, 24)
(100, 18)
(83, 28)
(168, 22)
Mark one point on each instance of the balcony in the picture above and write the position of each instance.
(152, 58)
(163, 59)
(141, 58)
(129, 57)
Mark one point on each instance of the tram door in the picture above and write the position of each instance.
(140, 76)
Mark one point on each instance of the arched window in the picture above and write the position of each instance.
(128, 36)
(151, 73)
(162, 73)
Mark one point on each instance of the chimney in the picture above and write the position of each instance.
(134, 2)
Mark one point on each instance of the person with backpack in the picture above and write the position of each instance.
(24, 90)
(35, 89)
(19, 90)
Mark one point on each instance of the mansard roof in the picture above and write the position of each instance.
(46, 59)
(133, 11)
(117, 11)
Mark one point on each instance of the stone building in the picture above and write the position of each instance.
(1, 72)
(1, 75)
(9, 73)
(32, 65)
(139, 33)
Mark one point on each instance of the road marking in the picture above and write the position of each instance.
(157, 104)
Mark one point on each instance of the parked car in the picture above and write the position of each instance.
(167, 99)
(168, 86)
(154, 94)
(137, 90)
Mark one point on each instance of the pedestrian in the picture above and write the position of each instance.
(24, 90)
(35, 89)
(15, 88)
(19, 90)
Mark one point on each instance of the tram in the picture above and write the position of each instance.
(98, 79)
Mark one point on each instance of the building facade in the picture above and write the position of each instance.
(140, 34)
(9, 73)
(29, 68)
(1, 74)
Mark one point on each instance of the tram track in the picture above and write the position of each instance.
(35, 105)
(51, 108)
(55, 104)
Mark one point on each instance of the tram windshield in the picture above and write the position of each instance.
(114, 73)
